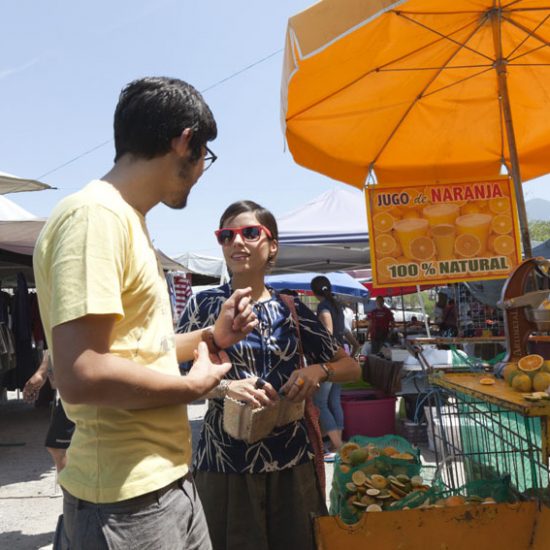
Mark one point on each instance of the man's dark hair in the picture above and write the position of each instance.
(152, 111)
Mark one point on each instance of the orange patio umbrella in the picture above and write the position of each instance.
(420, 90)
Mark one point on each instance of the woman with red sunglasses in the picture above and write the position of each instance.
(261, 495)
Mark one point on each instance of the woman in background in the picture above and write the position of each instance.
(328, 399)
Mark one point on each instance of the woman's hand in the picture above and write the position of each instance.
(32, 387)
(303, 383)
(254, 391)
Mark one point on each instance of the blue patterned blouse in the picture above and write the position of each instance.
(270, 352)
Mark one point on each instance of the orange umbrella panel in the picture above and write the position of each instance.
(410, 89)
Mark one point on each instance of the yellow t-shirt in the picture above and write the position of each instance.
(94, 256)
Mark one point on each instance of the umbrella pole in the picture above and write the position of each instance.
(421, 300)
(403, 312)
(500, 66)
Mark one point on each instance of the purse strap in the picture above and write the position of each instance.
(311, 412)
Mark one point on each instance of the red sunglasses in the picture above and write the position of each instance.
(248, 233)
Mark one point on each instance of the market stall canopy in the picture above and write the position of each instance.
(327, 234)
(411, 88)
(343, 285)
(201, 264)
(19, 228)
(393, 291)
(168, 264)
(13, 184)
(9, 211)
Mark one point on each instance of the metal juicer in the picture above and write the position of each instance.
(522, 300)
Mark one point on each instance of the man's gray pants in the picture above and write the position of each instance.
(168, 519)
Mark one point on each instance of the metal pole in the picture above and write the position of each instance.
(500, 66)
(421, 300)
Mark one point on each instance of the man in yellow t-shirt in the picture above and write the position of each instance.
(106, 312)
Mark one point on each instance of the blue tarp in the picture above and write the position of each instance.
(342, 284)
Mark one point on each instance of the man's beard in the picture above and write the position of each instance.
(185, 173)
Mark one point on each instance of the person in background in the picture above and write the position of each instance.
(352, 346)
(449, 320)
(260, 496)
(328, 399)
(61, 428)
(440, 308)
(106, 313)
(380, 323)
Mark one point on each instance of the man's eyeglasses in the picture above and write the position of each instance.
(209, 159)
(248, 233)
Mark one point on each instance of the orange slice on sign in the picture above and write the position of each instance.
(383, 222)
(500, 205)
(422, 248)
(501, 224)
(467, 245)
(384, 245)
(504, 245)
(383, 268)
(531, 363)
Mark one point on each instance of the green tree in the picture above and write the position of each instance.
(539, 230)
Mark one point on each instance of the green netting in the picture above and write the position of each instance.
(497, 489)
(382, 465)
(460, 359)
(498, 442)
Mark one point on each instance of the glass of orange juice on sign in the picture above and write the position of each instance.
(478, 225)
(407, 230)
(443, 213)
(444, 238)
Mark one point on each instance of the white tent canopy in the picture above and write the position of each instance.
(13, 184)
(18, 227)
(200, 264)
(329, 233)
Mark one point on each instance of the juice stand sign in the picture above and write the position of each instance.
(443, 233)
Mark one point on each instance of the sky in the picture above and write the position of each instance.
(63, 64)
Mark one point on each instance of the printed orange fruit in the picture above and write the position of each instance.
(504, 245)
(383, 222)
(467, 245)
(501, 224)
(531, 363)
(384, 245)
(499, 205)
(383, 269)
(422, 248)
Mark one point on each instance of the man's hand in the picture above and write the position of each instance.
(207, 370)
(236, 319)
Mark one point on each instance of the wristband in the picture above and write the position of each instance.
(207, 336)
(329, 371)
(222, 388)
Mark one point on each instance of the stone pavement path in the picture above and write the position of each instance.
(30, 499)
